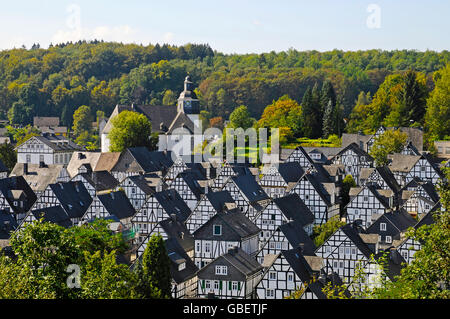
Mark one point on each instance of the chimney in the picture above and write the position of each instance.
(301, 247)
(182, 235)
(25, 168)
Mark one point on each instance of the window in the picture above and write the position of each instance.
(405, 255)
(388, 239)
(28, 158)
(290, 277)
(181, 266)
(207, 247)
(197, 247)
(422, 168)
(272, 275)
(41, 158)
(207, 284)
(270, 293)
(366, 198)
(234, 285)
(217, 230)
(221, 270)
(383, 226)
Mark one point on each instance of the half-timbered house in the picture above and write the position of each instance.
(249, 196)
(390, 228)
(233, 275)
(191, 185)
(418, 197)
(209, 205)
(409, 246)
(300, 156)
(354, 159)
(111, 204)
(223, 231)
(367, 204)
(160, 206)
(139, 188)
(48, 148)
(406, 167)
(51, 214)
(287, 272)
(286, 236)
(16, 196)
(97, 182)
(281, 211)
(280, 178)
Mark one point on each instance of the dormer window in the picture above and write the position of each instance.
(383, 226)
(182, 266)
(217, 230)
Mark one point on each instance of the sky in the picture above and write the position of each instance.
(244, 26)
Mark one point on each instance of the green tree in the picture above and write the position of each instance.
(391, 141)
(156, 267)
(82, 120)
(130, 129)
(322, 232)
(412, 99)
(240, 118)
(437, 124)
(8, 155)
(169, 98)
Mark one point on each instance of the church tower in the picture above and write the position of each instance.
(188, 102)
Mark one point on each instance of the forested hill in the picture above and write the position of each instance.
(58, 80)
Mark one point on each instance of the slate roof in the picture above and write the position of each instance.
(8, 224)
(294, 208)
(151, 161)
(300, 265)
(55, 214)
(172, 203)
(235, 227)
(355, 148)
(73, 197)
(297, 237)
(177, 231)
(146, 182)
(250, 188)
(177, 255)
(101, 180)
(58, 143)
(245, 264)
(17, 183)
(353, 235)
(291, 172)
(117, 204)
(399, 219)
(385, 174)
(218, 200)
(401, 162)
(195, 181)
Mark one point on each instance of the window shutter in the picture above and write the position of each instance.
(203, 283)
(239, 285)
(220, 285)
(229, 285)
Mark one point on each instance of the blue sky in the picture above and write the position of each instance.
(244, 26)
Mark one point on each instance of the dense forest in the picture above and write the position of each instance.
(58, 80)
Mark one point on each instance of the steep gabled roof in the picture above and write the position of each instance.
(101, 180)
(73, 197)
(250, 188)
(296, 236)
(294, 208)
(219, 199)
(172, 203)
(55, 214)
(117, 204)
(290, 171)
(236, 227)
(355, 148)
